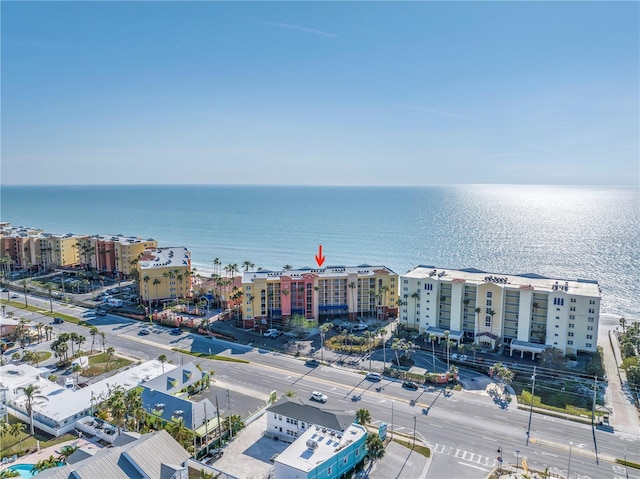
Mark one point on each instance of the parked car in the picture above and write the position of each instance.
(374, 377)
(14, 296)
(312, 363)
(454, 356)
(176, 331)
(359, 327)
(144, 331)
(101, 312)
(58, 320)
(464, 357)
(5, 290)
(318, 396)
(410, 385)
(272, 333)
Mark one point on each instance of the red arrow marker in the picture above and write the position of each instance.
(319, 257)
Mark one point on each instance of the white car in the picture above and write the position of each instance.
(272, 333)
(318, 396)
(359, 327)
(463, 357)
(454, 356)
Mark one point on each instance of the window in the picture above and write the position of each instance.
(588, 345)
(590, 320)
(572, 316)
(589, 328)
(428, 287)
(573, 300)
(572, 308)
(488, 302)
(589, 336)
(558, 301)
(405, 289)
(557, 325)
(592, 301)
(329, 471)
(591, 310)
(489, 294)
(406, 281)
(487, 321)
(571, 325)
(556, 335)
(357, 451)
(557, 317)
(570, 343)
(570, 334)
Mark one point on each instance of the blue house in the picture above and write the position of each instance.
(322, 453)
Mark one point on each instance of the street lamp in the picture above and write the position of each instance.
(414, 431)
(569, 466)
(517, 459)
(392, 403)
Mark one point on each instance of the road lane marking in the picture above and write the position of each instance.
(475, 467)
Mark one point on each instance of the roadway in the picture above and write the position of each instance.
(464, 429)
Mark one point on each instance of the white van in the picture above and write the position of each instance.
(374, 377)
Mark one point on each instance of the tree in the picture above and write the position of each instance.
(93, 331)
(79, 340)
(16, 429)
(503, 375)
(30, 393)
(103, 338)
(375, 448)
(363, 416)
(352, 287)
(110, 352)
(446, 337)
(25, 285)
(163, 359)
(135, 408)
(623, 324)
(77, 369)
(236, 423)
(432, 338)
(116, 405)
(553, 358)
(290, 393)
(397, 345)
(50, 287)
(44, 464)
(156, 282)
(247, 265)
(474, 347)
(65, 452)
(477, 323)
(324, 329)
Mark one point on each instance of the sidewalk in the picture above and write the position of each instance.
(620, 400)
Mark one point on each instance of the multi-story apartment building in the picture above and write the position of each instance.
(327, 293)
(164, 274)
(527, 311)
(117, 253)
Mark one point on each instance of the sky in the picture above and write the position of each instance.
(328, 93)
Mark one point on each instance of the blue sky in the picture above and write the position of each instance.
(335, 93)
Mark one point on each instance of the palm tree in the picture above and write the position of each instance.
(93, 331)
(30, 393)
(25, 285)
(352, 287)
(44, 464)
(491, 313)
(477, 324)
(290, 393)
(50, 287)
(77, 369)
(79, 340)
(382, 292)
(363, 416)
(65, 452)
(324, 329)
(156, 282)
(446, 337)
(39, 328)
(16, 429)
(163, 359)
(397, 345)
(110, 352)
(103, 339)
(146, 279)
(116, 405)
(135, 408)
(415, 296)
(48, 329)
(375, 448)
(247, 264)
(623, 324)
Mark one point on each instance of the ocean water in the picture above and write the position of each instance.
(563, 232)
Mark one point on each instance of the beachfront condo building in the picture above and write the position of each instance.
(31, 248)
(528, 312)
(325, 294)
(164, 274)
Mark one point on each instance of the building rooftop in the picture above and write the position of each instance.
(138, 459)
(316, 445)
(532, 281)
(164, 258)
(16, 376)
(58, 403)
(328, 272)
(335, 420)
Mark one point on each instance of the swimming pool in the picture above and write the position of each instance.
(24, 470)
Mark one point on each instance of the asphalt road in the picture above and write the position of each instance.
(465, 429)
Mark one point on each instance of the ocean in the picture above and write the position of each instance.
(562, 232)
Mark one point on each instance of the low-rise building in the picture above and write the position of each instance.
(527, 311)
(322, 453)
(154, 455)
(288, 419)
(57, 409)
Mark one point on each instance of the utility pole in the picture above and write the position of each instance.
(414, 431)
(219, 423)
(229, 413)
(533, 389)
(593, 411)
(206, 427)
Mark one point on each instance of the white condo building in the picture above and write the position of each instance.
(527, 311)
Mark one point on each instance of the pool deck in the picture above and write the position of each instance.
(44, 453)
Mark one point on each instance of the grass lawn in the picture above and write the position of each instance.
(424, 450)
(45, 312)
(11, 444)
(209, 356)
(98, 364)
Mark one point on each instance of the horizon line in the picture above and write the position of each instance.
(309, 185)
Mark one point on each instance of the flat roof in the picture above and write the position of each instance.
(173, 257)
(15, 376)
(326, 272)
(299, 455)
(59, 403)
(533, 281)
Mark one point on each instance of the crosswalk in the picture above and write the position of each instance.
(468, 456)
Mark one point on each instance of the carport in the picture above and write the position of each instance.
(526, 347)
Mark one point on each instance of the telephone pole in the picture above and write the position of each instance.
(533, 390)
(229, 413)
